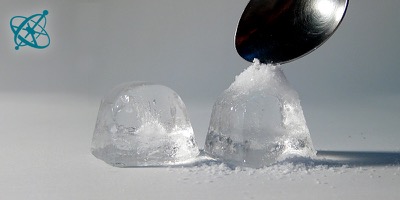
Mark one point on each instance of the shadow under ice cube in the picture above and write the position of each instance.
(143, 124)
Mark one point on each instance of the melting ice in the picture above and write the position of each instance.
(143, 124)
(258, 120)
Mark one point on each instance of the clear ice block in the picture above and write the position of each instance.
(258, 120)
(143, 124)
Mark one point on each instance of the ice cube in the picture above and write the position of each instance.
(143, 124)
(258, 120)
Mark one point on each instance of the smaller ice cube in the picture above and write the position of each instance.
(143, 124)
(258, 120)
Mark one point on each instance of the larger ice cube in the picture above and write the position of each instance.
(258, 120)
(143, 124)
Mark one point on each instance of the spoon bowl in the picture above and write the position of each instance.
(279, 31)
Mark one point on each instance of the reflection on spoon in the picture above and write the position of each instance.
(278, 31)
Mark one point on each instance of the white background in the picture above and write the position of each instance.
(49, 98)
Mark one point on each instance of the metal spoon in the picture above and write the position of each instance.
(279, 31)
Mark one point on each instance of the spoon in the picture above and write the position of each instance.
(279, 31)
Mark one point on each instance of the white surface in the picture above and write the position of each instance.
(45, 154)
(349, 90)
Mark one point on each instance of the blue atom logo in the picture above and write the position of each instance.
(30, 31)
